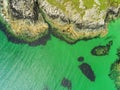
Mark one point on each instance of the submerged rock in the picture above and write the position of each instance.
(87, 71)
(66, 83)
(69, 20)
(80, 59)
(101, 50)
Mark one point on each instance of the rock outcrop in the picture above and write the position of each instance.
(23, 19)
(102, 50)
(69, 20)
(66, 83)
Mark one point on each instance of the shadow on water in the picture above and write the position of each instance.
(13, 39)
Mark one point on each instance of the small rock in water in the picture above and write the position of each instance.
(87, 71)
(80, 59)
(109, 43)
(66, 83)
(102, 50)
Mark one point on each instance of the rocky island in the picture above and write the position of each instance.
(66, 83)
(102, 50)
(30, 20)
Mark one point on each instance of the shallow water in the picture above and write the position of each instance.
(23, 67)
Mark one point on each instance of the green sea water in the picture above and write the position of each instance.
(23, 67)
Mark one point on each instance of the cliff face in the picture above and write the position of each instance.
(24, 19)
(69, 20)
(79, 19)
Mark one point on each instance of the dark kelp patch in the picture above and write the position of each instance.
(66, 83)
(45, 88)
(80, 59)
(87, 71)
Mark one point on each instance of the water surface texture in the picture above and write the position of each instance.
(23, 67)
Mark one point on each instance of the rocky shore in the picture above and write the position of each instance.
(30, 20)
(115, 70)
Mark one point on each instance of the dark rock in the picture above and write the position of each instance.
(66, 83)
(54, 16)
(80, 59)
(87, 71)
(36, 10)
(109, 16)
(65, 19)
(30, 10)
(79, 25)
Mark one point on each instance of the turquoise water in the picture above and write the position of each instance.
(23, 67)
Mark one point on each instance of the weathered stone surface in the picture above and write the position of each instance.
(80, 19)
(24, 19)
